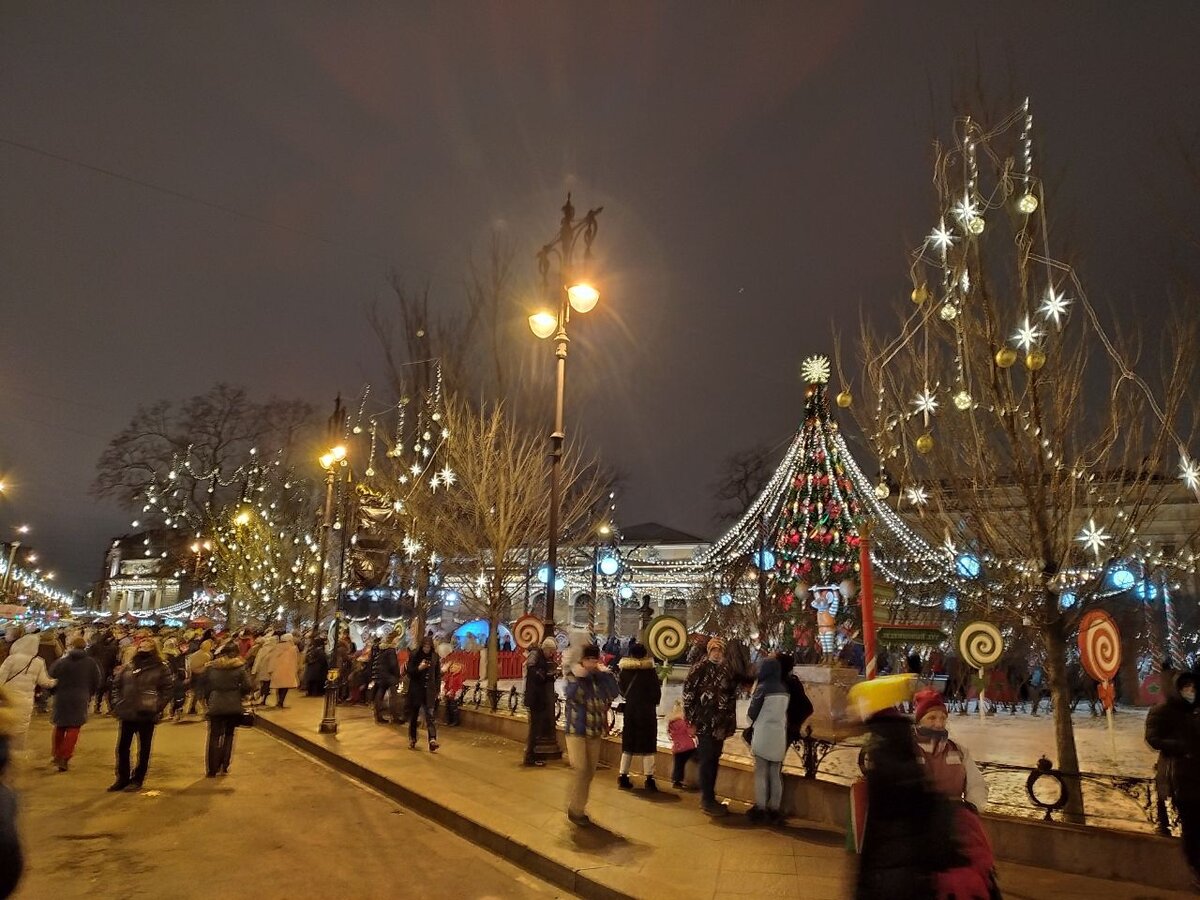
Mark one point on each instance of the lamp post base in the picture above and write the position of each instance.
(329, 723)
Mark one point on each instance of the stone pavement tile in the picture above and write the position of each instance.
(759, 863)
(759, 884)
(1030, 883)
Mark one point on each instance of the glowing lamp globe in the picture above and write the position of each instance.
(1027, 203)
(609, 565)
(626, 592)
(543, 574)
(543, 324)
(975, 225)
(583, 297)
(967, 565)
(962, 400)
(726, 599)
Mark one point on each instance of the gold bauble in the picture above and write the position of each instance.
(1035, 359)
(1027, 203)
(844, 399)
(948, 312)
(882, 491)
(962, 400)
(925, 443)
(920, 294)
(1005, 357)
(975, 225)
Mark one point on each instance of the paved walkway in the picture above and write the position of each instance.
(641, 845)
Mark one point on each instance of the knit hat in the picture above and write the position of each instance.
(716, 643)
(591, 651)
(925, 701)
(550, 645)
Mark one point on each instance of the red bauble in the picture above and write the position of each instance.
(794, 539)
(787, 600)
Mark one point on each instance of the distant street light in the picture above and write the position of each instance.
(572, 293)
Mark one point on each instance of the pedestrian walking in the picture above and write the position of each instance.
(198, 664)
(262, 666)
(285, 668)
(539, 699)
(387, 676)
(104, 649)
(424, 680)
(683, 742)
(589, 692)
(951, 771)
(709, 703)
(77, 679)
(1173, 729)
(21, 674)
(12, 859)
(142, 689)
(768, 742)
(639, 733)
(227, 685)
(177, 663)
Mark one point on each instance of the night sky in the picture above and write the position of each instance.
(764, 168)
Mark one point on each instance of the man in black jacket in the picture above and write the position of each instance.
(1173, 729)
(387, 676)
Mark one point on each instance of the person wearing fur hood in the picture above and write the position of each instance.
(21, 675)
(262, 666)
(639, 736)
(227, 685)
(285, 668)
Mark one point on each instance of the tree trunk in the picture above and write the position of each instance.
(1064, 734)
(612, 613)
(493, 648)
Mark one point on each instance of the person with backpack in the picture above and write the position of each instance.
(21, 674)
(78, 678)
(142, 689)
(228, 683)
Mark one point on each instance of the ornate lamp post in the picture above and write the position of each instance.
(331, 462)
(572, 293)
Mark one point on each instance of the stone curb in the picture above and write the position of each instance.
(577, 881)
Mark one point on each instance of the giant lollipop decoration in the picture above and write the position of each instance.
(666, 638)
(528, 631)
(1100, 653)
(980, 644)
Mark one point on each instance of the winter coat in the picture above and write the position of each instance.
(642, 690)
(952, 771)
(142, 688)
(710, 699)
(909, 833)
(588, 696)
(227, 683)
(21, 674)
(768, 712)
(105, 650)
(285, 664)
(387, 666)
(682, 739)
(1173, 729)
(48, 648)
(316, 665)
(262, 662)
(424, 684)
(799, 707)
(539, 682)
(78, 679)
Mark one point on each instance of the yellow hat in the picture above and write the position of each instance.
(868, 697)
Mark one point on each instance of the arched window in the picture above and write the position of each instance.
(579, 613)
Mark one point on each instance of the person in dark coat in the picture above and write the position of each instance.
(12, 859)
(539, 699)
(639, 735)
(387, 676)
(228, 684)
(1173, 729)
(142, 689)
(424, 682)
(78, 679)
(104, 650)
(316, 669)
(799, 706)
(909, 835)
(710, 705)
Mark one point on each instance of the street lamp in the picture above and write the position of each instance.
(331, 462)
(575, 294)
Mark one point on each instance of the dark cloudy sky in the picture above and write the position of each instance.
(763, 166)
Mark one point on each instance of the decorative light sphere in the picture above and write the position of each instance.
(726, 599)
(920, 294)
(1005, 357)
(962, 400)
(844, 399)
(1027, 203)
(626, 592)
(975, 225)
(609, 565)
(882, 491)
(949, 312)
(925, 443)
(1035, 359)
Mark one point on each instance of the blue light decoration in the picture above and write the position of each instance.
(450, 598)
(543, 574)
(967, 565)
(626, 592)
(1146, 591)
(1067, 599)
(1121, 578)
(726, 599)
(609, 565)
(765, 559)
(950, 603)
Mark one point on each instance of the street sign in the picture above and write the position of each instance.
(910, 634)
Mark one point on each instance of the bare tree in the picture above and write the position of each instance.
(741, 477)
(498, 506)
(1040, 462)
